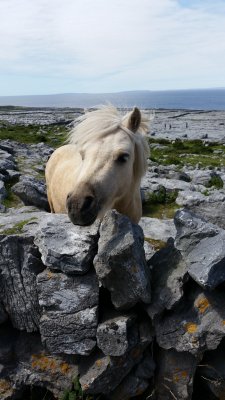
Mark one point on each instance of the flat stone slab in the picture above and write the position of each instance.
(67, 247)
(69, 311)
(158, 229)
(120, 263)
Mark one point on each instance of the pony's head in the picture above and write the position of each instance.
(113, 153)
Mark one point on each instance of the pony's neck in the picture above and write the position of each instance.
(131, 205)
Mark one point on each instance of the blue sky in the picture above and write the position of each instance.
(55, 46)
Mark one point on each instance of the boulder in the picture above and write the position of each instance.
(20, 263)
(202, 245)
(27, 363)
(169, 273)
(66, 247)
(175, 375)
(196, 325)
(137, 381)
(115, 335)
(32, 192)
(69, 312)
(120, 263)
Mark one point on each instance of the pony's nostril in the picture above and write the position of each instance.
(68, 196)
(88, 201)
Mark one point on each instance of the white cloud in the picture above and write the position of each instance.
(110, 46)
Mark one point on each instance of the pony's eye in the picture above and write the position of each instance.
(122, 158)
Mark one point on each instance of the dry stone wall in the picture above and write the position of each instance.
(83, 301)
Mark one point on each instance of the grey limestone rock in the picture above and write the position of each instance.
(115, 335)
(137, 381)
(26, 363)
(195, 326)
(3, 192)
(202, 245)
(169, 273)
(158, 229)
(212, 370)
(67, 247)
(69, 307)
(100, 374)
(32, 192)
(120, 263)
(19, 265)
(175, 375)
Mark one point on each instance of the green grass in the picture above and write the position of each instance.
(216, 182)
(188, 152)
(11, 199)
(17, 228)
(53, 135)
(76, 393)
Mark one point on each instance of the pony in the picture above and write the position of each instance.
(100, 167)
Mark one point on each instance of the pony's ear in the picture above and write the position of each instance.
(132, 120)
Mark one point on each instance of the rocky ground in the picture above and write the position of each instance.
(59, 300)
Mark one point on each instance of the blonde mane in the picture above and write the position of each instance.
(97, 124)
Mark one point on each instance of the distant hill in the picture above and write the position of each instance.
(201, 99)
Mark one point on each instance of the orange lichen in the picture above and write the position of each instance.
(179, 375)
(44, 363)
(5, 387)
(223, 322)
(202, 304)
(190, 327)
(50, 274)
(98, 363)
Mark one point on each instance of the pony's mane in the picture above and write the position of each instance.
(105, 120)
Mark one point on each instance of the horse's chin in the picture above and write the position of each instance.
(82, 221)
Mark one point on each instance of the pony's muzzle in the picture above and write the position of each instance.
(82, 210)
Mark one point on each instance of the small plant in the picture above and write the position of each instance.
(76, 392)
(215, 181)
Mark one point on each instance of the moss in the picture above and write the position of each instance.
(17, 228)
(215, 181)
(160, 211)
(156, 244)
(11, 199)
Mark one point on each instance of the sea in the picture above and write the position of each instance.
(193, 99)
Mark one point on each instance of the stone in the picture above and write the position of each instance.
(66, 247)
(3, 192)
(158, 229)
(169, 273)
(69, 311)
(196, 325)
(32, 192)
(189, 198)
(100, 374)
(212, 370)
(31, 365)
(202, 245)
(137, 381)
(120, 263)
(175, 375)
(115, 335)
(3, 315)
(19, 265)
